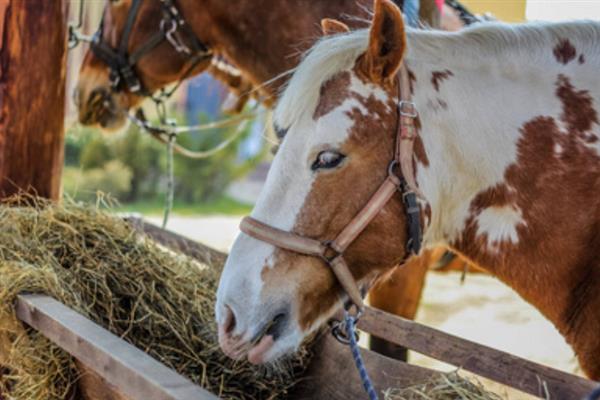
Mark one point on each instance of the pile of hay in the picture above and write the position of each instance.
(449, 386)
(98, 265)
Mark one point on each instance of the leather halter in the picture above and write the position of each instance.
(122, 63)
(332, 252)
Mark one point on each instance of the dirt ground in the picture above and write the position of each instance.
(481, 309)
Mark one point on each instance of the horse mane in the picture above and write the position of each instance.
(528, 44)
(330, 55)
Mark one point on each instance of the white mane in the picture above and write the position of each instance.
(327, 57)
(530, 43)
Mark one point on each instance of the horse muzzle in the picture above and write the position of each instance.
(253, 346)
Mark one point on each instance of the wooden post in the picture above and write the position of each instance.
(32, 96)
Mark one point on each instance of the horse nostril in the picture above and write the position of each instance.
(229, 324)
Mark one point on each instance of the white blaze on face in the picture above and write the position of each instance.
(288, 184)
(500, 224)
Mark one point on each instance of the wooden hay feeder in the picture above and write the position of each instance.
(115, 369)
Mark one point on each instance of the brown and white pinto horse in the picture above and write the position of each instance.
(264, 39)
(507, 157)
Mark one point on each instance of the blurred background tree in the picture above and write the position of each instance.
(131, 166)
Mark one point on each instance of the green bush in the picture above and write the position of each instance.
(113, 178)
(142, 156)
(96, 153)
(132, 166)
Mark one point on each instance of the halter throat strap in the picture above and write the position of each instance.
(332, 251)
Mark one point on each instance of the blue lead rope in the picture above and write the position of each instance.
(595, 395)
(350, 322)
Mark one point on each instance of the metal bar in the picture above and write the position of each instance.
(133, 372)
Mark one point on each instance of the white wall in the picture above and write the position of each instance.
(560, 10)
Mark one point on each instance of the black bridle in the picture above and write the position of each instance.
(122, 63)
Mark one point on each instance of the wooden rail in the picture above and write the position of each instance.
(137, 375)
(501, 367)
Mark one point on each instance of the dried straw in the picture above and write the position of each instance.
(95, 263)
(448, 386)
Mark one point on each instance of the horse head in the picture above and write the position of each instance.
(141, 46)
(339, 114)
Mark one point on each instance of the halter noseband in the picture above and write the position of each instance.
(332, 252)
(122, 63)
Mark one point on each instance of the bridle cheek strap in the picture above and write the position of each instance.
(332, 252)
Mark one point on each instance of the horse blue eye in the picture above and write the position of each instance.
(327, 159)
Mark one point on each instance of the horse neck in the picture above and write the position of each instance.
(510, 158)
(266, 38)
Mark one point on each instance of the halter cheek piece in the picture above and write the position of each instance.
(122, 63)
(332, 252)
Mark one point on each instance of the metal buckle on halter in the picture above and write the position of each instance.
(396, 178)
(328, 245)
(131, 80)
(340, 333)
(407, 109)
(339, 330)
(114, 78)
(170, 33)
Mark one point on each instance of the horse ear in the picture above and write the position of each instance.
(332, 26)
(387, 43)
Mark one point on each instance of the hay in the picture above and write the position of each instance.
(161, 302)
(448, 386)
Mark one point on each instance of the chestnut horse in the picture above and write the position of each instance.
(264, 40)
(506, 157)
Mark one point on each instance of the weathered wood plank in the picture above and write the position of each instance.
(485, 361)
(333, 376)
(33, 53)
(93, 387)
(133, 372)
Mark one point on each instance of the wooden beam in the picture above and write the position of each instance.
(33, 54)
(332, 374)
(490, 363)
(133, 372)
(176, 242)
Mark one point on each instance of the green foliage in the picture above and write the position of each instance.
(112, 178)
(142, 156)
(223, 206)
(96, 153)
(132, 167)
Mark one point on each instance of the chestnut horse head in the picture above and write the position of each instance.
(340, 115)
(506, 155)
(121, 67)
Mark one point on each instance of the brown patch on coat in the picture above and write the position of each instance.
(578, 106)
(438, 77)
(556, 261)
(337, 88)
(581, 59)
(564, 51)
